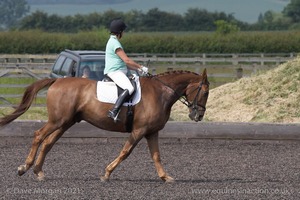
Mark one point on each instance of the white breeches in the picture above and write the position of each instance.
(121, 79)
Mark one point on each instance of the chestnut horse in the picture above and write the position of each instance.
(70, 100)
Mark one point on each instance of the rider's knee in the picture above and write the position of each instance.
(130, 90)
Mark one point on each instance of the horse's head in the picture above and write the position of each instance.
(197, 95)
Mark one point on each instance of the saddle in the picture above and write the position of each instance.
(108, 91)
(120, 90)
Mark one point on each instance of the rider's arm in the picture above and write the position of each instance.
(129, 62)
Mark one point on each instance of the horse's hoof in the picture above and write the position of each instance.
(21, 170)
(104, 179)
(169, 179)
(40, 176)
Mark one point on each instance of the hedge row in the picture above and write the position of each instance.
(38, 42)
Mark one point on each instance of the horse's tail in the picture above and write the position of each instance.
(27, 99)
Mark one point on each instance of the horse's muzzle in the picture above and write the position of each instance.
(195, 115)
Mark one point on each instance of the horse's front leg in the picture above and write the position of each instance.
(152, 140)
(132, 141)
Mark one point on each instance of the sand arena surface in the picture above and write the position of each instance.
(203, 169)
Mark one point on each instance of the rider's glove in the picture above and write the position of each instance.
(144, 70)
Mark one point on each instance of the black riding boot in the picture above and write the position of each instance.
(116, 109)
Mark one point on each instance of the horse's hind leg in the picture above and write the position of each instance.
(46, 147)
(39, 137)
(127, 149)
(152, 140)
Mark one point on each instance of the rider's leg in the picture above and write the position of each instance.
(113, 113)
(122, 81)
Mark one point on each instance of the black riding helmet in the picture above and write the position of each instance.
(117, 26)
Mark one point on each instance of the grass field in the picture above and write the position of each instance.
(18, 89)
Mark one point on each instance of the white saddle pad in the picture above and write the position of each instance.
(107, 92)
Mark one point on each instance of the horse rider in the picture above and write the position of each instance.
(117, 64)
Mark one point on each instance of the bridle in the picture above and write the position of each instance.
(183, 99)
(193, 105)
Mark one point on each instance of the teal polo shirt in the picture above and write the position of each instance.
(112, 61)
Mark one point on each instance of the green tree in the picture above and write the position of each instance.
(156, 20)
(133, 20)
(260, 18)
(269, 17)
(36, 20)
(199, 20)
(292, 10)
(224, 27)
(11, 11)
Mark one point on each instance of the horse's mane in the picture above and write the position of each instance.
(175, 72)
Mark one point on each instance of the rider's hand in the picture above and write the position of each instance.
(144, 70)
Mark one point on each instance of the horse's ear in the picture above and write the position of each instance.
(204, 75)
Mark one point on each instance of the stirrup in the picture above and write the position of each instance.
(112, 115)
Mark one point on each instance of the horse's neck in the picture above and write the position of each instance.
(178, 82)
